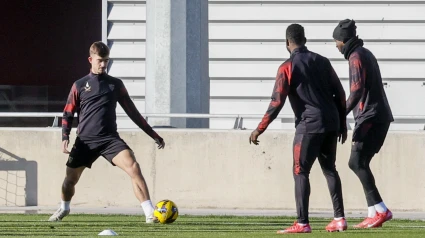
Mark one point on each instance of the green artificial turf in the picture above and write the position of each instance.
(35, 225)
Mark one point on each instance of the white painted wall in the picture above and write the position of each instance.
(247, 45)
(126, 37)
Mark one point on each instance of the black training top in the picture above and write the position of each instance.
(94, 97)
(315, 93)
(367, 99)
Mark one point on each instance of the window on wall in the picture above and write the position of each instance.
(44, 49)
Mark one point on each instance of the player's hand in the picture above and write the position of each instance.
(253, 137)
(65, 146)
(160, 143)
(343, 136)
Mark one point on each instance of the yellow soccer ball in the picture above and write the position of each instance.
(166, 211)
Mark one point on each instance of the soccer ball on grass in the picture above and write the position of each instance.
(166, 211)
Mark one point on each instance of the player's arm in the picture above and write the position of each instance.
(72, 103)
(131, 110)
(280, 92)
(71, 106)
(339, 99)
(357, 82)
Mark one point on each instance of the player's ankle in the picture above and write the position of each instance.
(147, 208)
(381, 207)
(65, 205)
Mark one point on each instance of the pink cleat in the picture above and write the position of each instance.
(296, 228)
(337, 225)
(379, 219)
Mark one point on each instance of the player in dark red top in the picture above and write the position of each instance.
(318, 101)
(372, 115)
(94, 97)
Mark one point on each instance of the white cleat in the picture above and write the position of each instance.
(151, 219)
(59, 215)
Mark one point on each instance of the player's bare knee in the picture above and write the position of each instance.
(70, 182)
(134, 169)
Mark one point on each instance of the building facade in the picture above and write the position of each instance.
(246, 46)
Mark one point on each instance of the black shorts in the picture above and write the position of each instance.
(86, 152)
(369, 137)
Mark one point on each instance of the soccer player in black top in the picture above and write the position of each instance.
(372, 115)
(94, 97)
(318, 101)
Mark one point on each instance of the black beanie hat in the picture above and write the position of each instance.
(345, 30)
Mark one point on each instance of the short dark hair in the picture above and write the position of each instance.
(99, 48)
(295, 34)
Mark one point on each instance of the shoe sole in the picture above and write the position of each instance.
(365, 227)
(338, 230)
(281, 232)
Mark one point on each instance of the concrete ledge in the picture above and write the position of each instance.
(207, 169)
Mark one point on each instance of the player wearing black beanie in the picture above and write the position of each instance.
(372, 115)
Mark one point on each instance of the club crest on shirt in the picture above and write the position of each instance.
(87, 88)
(111, 86)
